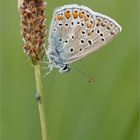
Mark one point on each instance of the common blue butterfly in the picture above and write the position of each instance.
(75, 32)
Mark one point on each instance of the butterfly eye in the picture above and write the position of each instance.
(81, 49)
(66, 68)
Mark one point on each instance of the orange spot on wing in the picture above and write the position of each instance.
(86, 18)
(67, 14)
(81, 15)
(59, 17)
(75, 14)
(89, 25)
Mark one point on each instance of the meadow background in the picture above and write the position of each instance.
(75, 110)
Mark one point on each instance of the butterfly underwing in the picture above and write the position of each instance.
(75, 32)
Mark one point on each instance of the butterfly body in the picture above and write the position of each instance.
(75, 32)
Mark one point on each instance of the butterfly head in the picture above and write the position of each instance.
(65, 68)
(55, 61)
(62, 68)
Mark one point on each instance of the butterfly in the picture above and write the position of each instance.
(75, 32)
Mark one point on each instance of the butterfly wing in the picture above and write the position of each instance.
(77, 31)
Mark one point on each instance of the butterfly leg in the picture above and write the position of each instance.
(51, 68)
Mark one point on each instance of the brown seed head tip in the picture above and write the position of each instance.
(33, 27)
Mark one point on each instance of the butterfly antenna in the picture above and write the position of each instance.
(90, 79)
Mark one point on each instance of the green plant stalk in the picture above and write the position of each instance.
(40, 100)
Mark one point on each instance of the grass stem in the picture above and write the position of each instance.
(40, 100)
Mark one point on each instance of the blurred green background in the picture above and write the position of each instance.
(75, 110)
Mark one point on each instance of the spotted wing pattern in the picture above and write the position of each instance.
(77, 31)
